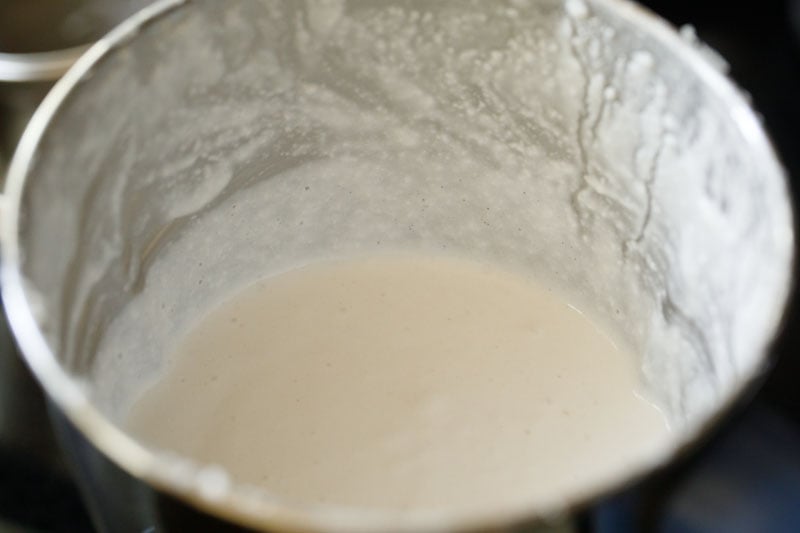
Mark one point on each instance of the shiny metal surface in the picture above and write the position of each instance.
(39, 42)
(45, 66)
(673, 186)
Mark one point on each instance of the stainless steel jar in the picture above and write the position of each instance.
(586, 142)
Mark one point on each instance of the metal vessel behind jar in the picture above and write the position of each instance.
(214, 142)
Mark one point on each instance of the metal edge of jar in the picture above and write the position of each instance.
(42, 66)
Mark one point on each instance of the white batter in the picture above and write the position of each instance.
(403, 383)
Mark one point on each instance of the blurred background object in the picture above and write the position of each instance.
(39, 40)
(746, 479)
(33, 26)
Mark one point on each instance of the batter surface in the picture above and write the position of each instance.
(403, 383)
